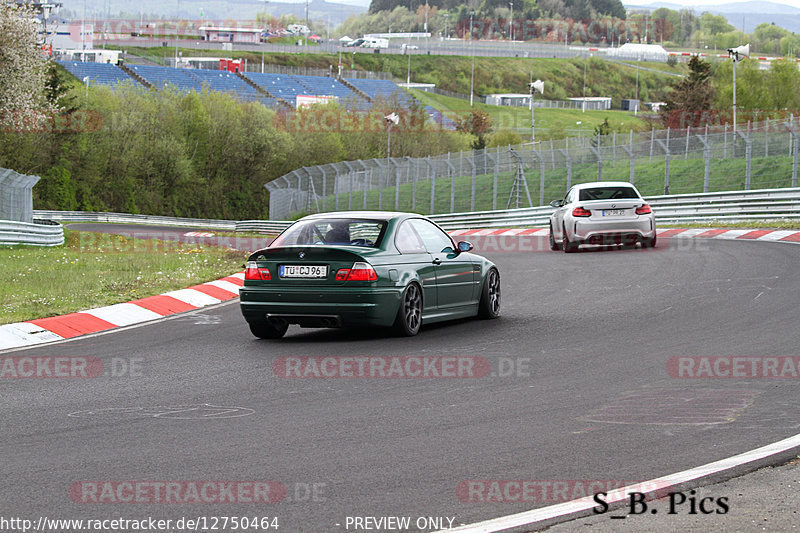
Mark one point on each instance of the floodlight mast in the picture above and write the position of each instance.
(735, 53)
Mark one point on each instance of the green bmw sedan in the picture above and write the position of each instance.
(365, 268)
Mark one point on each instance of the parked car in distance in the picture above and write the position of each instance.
(604, 212)
(365, 269)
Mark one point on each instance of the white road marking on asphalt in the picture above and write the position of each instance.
(528, 518)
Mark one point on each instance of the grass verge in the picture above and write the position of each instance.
(97, 269)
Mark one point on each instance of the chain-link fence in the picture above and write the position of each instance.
(16, 196)
(691, 160)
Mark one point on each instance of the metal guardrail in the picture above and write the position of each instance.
(40, 233)
(124, 218)
(730, 206)
(263, 226)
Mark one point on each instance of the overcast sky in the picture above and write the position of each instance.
(793, 3)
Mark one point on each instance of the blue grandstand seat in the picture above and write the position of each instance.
(383, 89)
(97, 73)
(162, 77)
(224, 81)
(435, 116)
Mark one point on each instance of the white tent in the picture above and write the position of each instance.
(637, 51)
(345, 39)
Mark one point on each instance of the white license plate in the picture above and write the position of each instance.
(304, 271)
(613, 212)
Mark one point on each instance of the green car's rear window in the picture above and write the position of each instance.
(335, 231)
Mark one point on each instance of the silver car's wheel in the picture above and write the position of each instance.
(566, 245)
(409, 315)
(554, 246)
(649, 243)
(489, 306)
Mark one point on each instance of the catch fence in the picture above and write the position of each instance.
(691, 160)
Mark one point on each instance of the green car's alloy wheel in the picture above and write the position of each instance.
(265, 330)
(489, 306)
(409, 316)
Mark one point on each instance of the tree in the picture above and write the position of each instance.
(784, 84)
(22, 69)
(690, 102)
(714, 24)
(478, 123)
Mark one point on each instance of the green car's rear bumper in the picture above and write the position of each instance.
(336, 306)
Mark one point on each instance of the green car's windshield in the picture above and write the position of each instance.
(338, 231)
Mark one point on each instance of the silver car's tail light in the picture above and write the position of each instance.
(643, 210)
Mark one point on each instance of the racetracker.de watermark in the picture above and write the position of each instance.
(546, 490)
(79, 121)
(401, 367)
(163, 241)
(177, 492)
(734, 367)
(49, 367)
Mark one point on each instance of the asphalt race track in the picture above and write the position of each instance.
(591, 397)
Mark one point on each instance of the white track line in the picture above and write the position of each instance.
(528, 518)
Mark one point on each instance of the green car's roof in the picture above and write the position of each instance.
(372, 215)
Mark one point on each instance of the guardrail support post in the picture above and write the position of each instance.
(336, 186)
(568, 160)
(474, 180)
(433, 183)
(414, 183)
(707, 161)
(748, 154)
(631, 156)
(599, 157)
(665, 146)
(350, 185)
(795, 146)
(324, 186)
(380, 182)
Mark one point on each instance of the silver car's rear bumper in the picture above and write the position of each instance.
(600, 231)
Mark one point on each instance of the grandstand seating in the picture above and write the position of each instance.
(435, 116)
(281, 86)
(98, 73)
(161, 77)
(322, 86)
(223, 81)
(384, 89)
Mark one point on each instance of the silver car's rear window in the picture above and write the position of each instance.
(333, 231)
(607, 193)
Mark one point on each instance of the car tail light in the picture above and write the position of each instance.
(359, 272)
(581, 212)
(644, 210)
(253, 272)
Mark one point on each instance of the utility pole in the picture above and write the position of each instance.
(472, 51)
(511, 23)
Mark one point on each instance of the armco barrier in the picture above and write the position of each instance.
(124, 218)
(732, 206)
(262, 226)
(40, 233)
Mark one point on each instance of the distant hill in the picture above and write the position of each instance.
(751, 13)
(220, 10)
